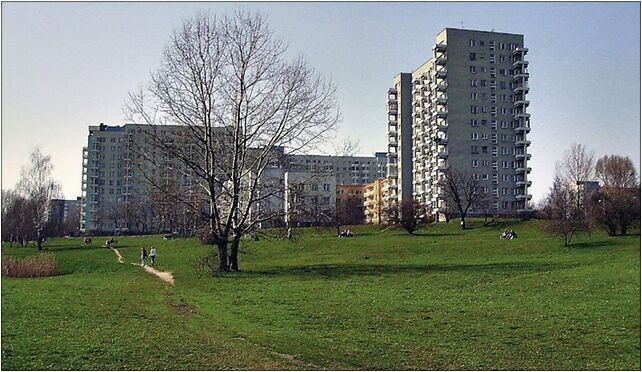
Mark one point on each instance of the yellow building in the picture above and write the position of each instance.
(373, 201)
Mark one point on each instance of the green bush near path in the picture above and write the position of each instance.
(444, 299)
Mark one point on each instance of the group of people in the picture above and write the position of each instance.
(143, 255)
(508, 234)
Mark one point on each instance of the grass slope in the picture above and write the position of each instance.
(444, 299)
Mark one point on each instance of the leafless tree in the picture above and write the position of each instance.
(578, 164)
(617, 204)
(16, 218)
(228, 83)
(412, 215)
(461, 187)
(566, 217)
(347, 147)
(39, 187)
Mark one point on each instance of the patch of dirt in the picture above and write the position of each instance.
(118, 255)
(180, 308)
(164, 275)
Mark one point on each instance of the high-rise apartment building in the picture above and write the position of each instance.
(464, 108)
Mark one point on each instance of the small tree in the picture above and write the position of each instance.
(563, 211)
(412, 215)
(617, 204)
(461, 187)
(39, 187)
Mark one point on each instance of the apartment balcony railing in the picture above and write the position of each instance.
(441, 74)
(520, 64)
(440, 114)
(441, 61)
(520, 51)
(441, 100)
(442, 127)
(523, 142)
(523, 183)
(521, 74)
(522, 115)
(442, 154)
(441, 47)
(522, 102)
(523, 170)
(522, 156)
(441, 87)
(523, 197)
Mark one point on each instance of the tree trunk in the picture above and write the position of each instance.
(623, 229)
(39, 241)
(233, 260)
(222, 255)
(463, 223)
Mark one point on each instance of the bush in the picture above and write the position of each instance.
(39, 265)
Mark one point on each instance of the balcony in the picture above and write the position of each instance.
(523, 183)
(441, 61)
(442, 141)
(520, 64)
(392, 129)
(441, 100)
(522, 156)
(442, 167)
(520, 51)
(521, 102)
(523, 170)
(442, 154)
(392, 107)
(392, 119)
(440, 114)
(441, 87)
(522, 142)
(520, 75)
(441, 74)
(523, 197)
(441, 47)
(522, 115)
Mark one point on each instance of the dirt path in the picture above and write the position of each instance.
(165, 276)
(118, 255)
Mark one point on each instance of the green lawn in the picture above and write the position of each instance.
(444, 299)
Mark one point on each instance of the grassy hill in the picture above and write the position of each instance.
(444, 299)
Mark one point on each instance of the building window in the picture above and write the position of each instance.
(491, 45)
(474, 136)
(474, 150)
(482, 83)
(502, 85)
(326, 187)
(473, 69)
(473, 95)
(484, 122)
(492, 72)
(491, 58)
(484, 109)
(475, 163)
(484, 96)
(481, 42)
(473, 56)
(485, 136)
(473, 122)
(484, 149)
(473, 83)
(473, 109)
(472, 42)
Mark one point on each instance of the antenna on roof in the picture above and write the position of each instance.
(462, 24)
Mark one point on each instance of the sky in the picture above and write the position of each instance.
(66, 66)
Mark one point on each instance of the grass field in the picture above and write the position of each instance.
(444, 299)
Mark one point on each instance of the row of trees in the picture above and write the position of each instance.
(589, 193)
(26, 210)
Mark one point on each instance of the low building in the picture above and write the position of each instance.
(309, 198)
(374, 201)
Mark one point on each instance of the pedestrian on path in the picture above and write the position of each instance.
(143, 256)
(152, 254)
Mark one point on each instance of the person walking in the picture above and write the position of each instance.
(143, 256)
(152, 254)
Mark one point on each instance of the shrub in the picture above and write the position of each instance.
(39, 265)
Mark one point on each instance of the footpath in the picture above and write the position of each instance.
(165, 276)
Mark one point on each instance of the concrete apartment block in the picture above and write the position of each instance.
(310, 198)
(469, 112)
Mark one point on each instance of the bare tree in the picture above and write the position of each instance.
(578, 164)
(461, 188)
(412, 215)
(617, 204)
(39, 187)
(563, 211)
(347, 147)
(16, 221)
(228, 84)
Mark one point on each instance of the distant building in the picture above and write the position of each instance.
(310, 198)
(373, 201)
(65, 215)
(117, 196)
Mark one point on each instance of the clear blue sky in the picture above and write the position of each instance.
(69, 65)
